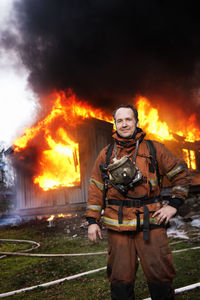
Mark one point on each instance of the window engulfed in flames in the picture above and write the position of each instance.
(63, 164)
(189, 157)
(59, 164)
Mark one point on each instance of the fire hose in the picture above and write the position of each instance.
(37, 245)
(184, 289)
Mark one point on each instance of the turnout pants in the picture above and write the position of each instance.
(124, 248)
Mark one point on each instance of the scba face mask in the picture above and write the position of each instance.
(124, 172)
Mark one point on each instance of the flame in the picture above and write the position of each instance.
(59, 164)
(149, 119)
(64, 216)
(193, 160)
(192, 133)
(151, 123)
(189, 157)
(30, 133)
(62, 161)
(69, 111)
(51, 218)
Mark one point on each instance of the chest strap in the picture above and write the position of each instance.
(136, 203)
(133, 202)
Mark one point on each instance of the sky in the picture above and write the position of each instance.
(18, 103)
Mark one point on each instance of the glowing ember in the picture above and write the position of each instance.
(51, 218)
(64, 216)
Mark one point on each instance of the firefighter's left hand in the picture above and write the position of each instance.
(164, 214)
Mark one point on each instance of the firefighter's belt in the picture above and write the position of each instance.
(136, 203)
(133, 202)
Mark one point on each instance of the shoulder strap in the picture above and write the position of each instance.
(109, 153)
(154, 164)
(103, 167)
(104, 172)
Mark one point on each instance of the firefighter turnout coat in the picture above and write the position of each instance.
(132, 216)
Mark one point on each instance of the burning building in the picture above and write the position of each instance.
(106, 54)
(54, 158)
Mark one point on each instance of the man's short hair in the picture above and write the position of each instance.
(135, 112)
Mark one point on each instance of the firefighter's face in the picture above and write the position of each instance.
(125, 122)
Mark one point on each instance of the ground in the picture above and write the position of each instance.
(69, 235)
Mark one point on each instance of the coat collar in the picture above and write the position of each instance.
(129, 142)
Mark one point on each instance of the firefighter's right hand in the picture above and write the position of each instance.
(93, 232)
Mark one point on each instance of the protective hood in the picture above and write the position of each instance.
(129, 142)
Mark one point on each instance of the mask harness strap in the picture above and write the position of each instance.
(115, 149)
(120, 211)
(146, 214)
(136, 149)
(103, 169)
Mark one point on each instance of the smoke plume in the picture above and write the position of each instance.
(109, 51)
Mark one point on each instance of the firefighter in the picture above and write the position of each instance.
(125, 184)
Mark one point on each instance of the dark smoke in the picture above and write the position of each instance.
(109, 51)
